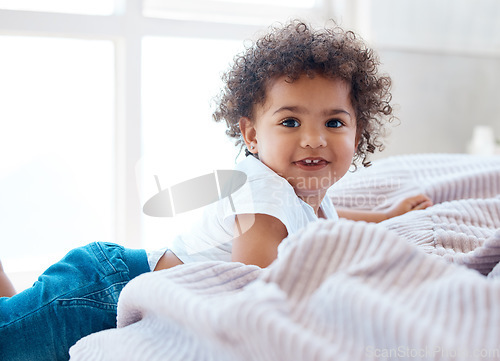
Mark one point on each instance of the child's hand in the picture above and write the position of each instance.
(420, 201)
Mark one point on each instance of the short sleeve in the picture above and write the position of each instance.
(267, 195)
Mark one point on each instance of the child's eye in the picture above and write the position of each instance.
(290, 123)
(334, 123)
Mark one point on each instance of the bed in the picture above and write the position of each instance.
(424, 285)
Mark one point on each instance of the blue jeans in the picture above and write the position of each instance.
(72, 299)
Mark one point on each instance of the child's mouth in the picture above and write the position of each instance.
(311, 163)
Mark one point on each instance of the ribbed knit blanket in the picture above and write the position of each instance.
(421, 286)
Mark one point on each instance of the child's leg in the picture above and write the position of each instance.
(6, 287)
(73, 298)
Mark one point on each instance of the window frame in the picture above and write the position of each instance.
(243, 12)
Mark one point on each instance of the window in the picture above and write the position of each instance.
(57, 146)
(180, 140)
(96, 100)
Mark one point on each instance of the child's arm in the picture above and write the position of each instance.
(6, 287)
(261, 234)
(260, 237)
(420, 201)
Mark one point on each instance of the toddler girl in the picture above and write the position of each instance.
(305, 104)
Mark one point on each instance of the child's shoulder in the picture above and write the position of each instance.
(255, 169)
(261, 179)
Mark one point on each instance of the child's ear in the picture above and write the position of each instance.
(358, 137)
(249, 133)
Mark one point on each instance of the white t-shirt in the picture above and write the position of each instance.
(264, 192)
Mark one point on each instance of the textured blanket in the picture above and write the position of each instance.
(422, 286)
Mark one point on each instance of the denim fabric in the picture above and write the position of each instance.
(72, 299)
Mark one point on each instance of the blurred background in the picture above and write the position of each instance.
(98, 96)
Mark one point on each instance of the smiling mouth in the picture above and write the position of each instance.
(311, 163)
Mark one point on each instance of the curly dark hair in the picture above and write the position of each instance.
(295, 49)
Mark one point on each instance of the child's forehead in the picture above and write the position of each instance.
(284, 88)
(287, 81)
(294, 78)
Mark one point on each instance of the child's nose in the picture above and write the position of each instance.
(313, 138)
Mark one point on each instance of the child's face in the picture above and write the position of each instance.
(305, 131)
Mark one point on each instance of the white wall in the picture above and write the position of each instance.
(444, 58)
(441, 98)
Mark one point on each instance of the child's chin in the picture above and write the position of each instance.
(310, 192)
